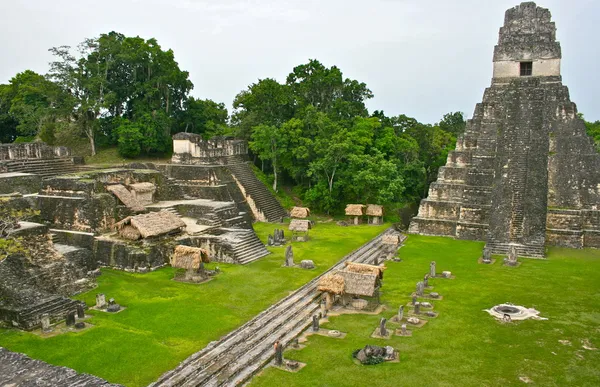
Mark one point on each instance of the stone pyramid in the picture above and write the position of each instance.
(524, 173)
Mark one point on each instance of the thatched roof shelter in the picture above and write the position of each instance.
(363, 268)
(300, 225)
(331, 283)
(186, 257)
(359, 284)
(374, 210)
(125, 197)
(300, 212)
(151, 224)
(355, 209)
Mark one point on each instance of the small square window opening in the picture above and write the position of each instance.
(526, 69)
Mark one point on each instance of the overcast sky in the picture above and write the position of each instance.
(420, 58)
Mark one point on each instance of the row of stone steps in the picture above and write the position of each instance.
(530, 250)
(249, 248)
(240, 354)
(57, 307)
(17, 369)
(262, 197)
(44, 168)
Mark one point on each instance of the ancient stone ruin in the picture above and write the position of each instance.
(524, 173)
(131, 218)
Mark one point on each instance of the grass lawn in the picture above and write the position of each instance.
(166, 321)
(464, 346)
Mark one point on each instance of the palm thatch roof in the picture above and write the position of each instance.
(186, 257)
(130, 232)
(300, 225)
(143, 187)
(331, 283)
(359, 284)
(363, 268)
(300, 212)
(125, 197)
(374, 210)
(355, 209)
(153, 223)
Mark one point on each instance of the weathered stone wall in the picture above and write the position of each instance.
(128, 256)
(24, 183)
(189, 148)
(32, 150)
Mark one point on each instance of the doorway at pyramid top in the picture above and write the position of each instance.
(527, 45)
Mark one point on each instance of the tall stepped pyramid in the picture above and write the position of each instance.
(524, 173)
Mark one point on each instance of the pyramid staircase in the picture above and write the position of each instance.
(263, 199)
(248, 248)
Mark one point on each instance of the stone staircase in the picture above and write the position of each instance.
(248, 248)
(239, 355)
(173, 211)
(17, 369)
(210, 219)
(57, 307)
(264, 201)
(529, 250)
(44, 168)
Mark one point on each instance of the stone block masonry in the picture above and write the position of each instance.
(524, 173)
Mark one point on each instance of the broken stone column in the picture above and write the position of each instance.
(382, 329)
(80, 311)
(45, 321)
(278, 353)
(417, 308)
(400, 313)
(420, 289)
(432, 269)
(289, 256)
(315, 323)
(70, 319)
(100, 301)
(404, 331)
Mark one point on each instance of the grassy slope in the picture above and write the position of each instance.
(167, 321)
(464, 345)
(111, 156)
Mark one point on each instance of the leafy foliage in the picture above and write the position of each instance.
(314, 132)
(9, 221)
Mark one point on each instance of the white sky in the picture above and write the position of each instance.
(420, 58)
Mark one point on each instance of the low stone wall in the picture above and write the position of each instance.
(24, 183)
(190, 148)
(32, 150)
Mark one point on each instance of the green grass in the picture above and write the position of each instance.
(111, 156)
(464, 346)
(166, 321)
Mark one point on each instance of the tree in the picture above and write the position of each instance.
(204, 117)
(453, 123)
(269, 142)
(8, 123)
(34, 103)
(266, 102)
